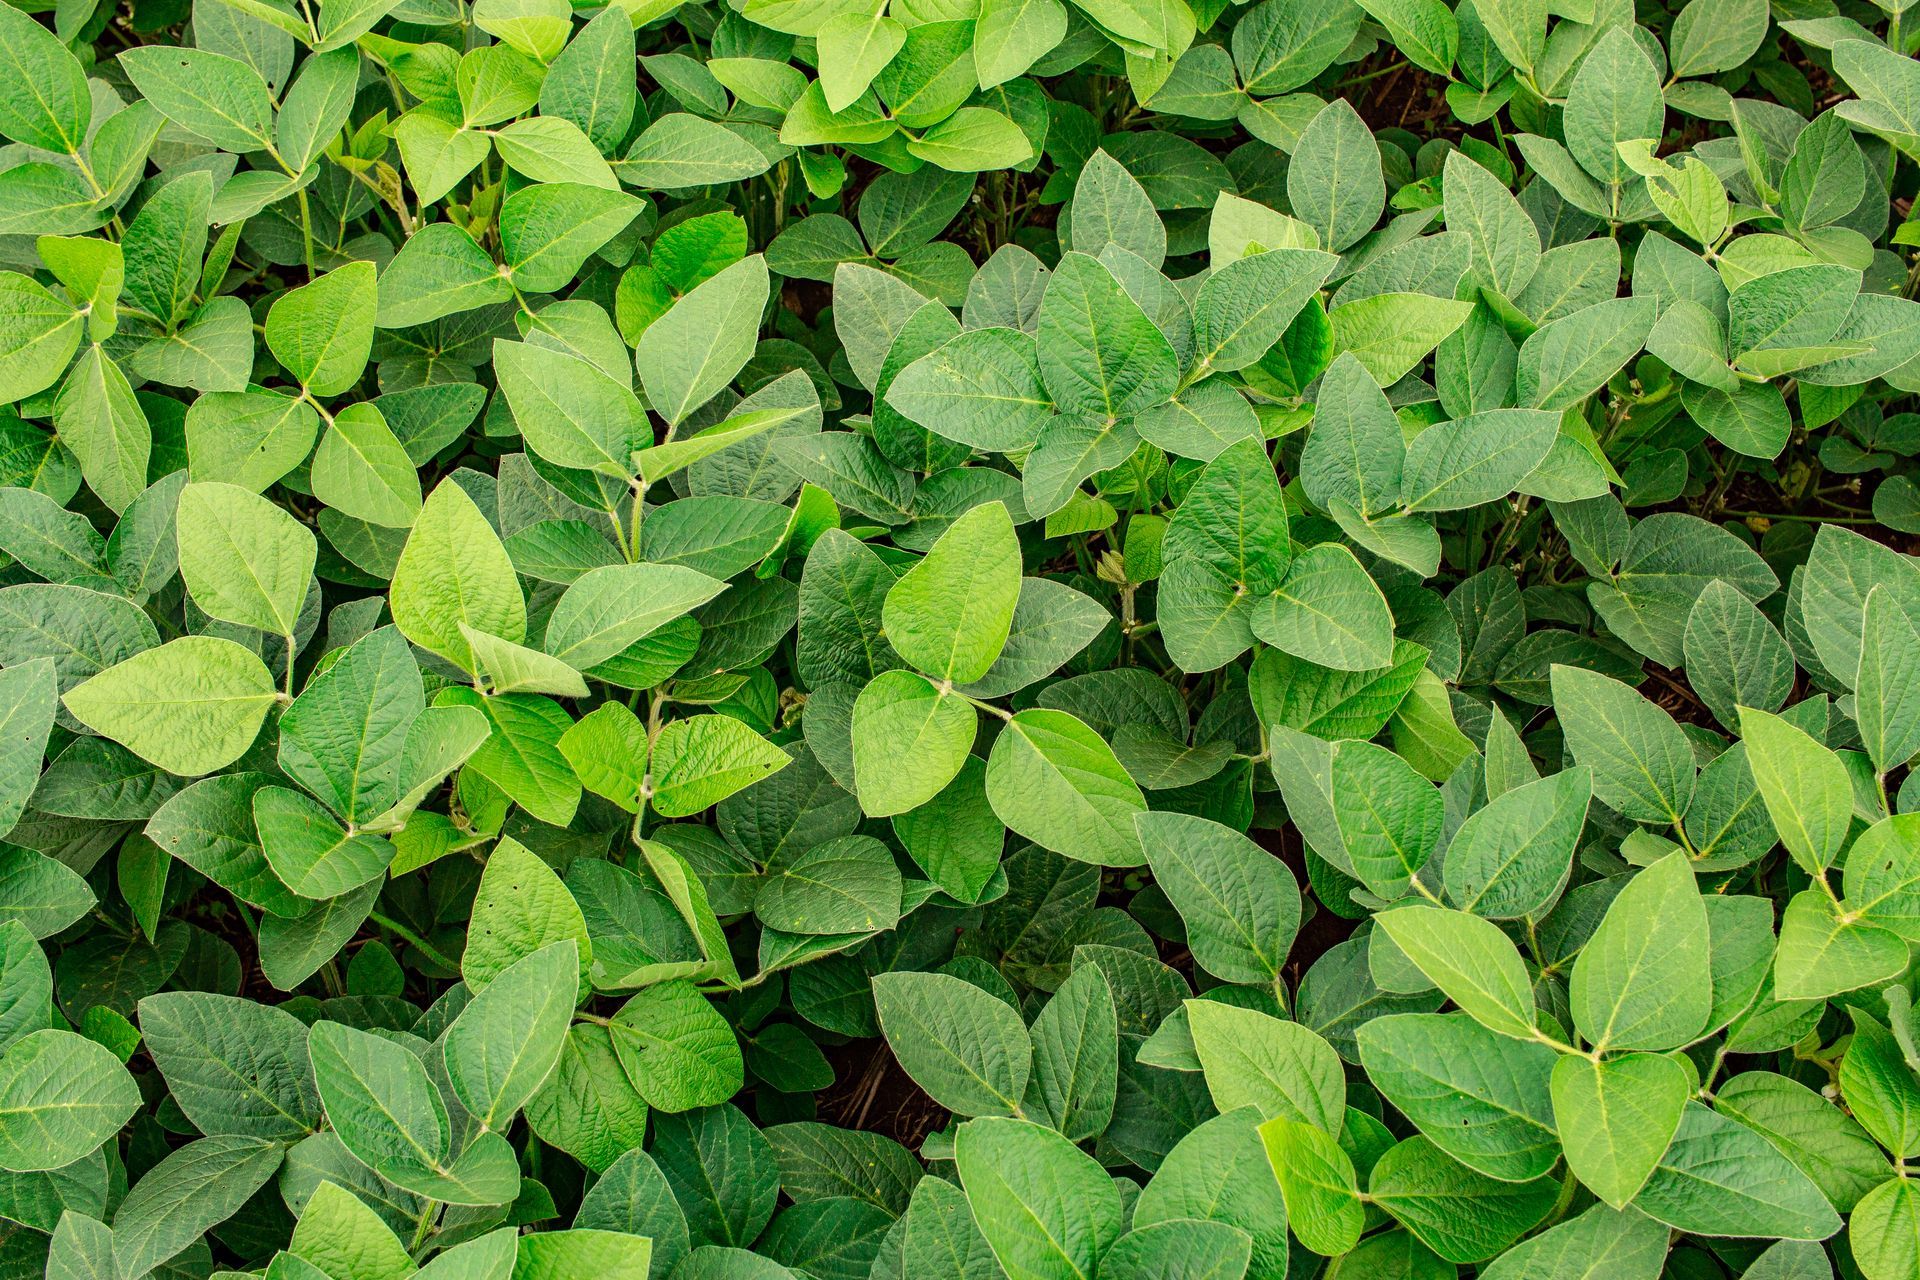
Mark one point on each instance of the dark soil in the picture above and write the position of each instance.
(871, 1092)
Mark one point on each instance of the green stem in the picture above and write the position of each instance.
(419, 943)
(1785, 515)
(306, 229)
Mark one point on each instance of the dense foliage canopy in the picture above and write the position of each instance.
(959, 640)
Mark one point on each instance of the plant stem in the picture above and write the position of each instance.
(413, 939)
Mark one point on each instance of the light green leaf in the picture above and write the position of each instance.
(910, 739)
(690, 354)
(245, 559)
(322, 332)
(1617, 1117)
(950, 615)
(1055, 781)
(1317, 1178)
(454, 570)
(1470, 960)
(1804, 785)
(700, 761)
(191, 706)
(504, 1043)
(1279, 1068)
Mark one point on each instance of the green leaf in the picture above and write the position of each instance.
(1617, 1117)
(1482, 1098)
(693, 352)
(521, 755)
(950, 615)
(549, 231)
(1721, 1178)
(101, 420)
(244, 559)
(610, 609)
(1110, 206)
(317, 105)
(61, 1096)
(1099, 351)
(1476, 459)
(588, 1107)
(219, 98)
(682, 150)
(1389, 817)
(312, 854)
(197, 1187)
(337, 1231)
(454, 570)
(1879, 1087)
(1636, 983)
(1824, 952)
(44, 100)
(1461, 1215)
(1391, 333)
(44, 895)
(1785, 311)
(439, 271)
(29, 698)
(1327, 610)
(1885, 690)
(552, 149)
(362, 470)
(1047, 1210)
(973, 140)
(845, 885)
(1512, 857)
(1614, 98)
(700, 761)
(967, 1048)
(1240, 904)
(191, 706)
(1247, 306)
(1883, 875)
(1565, 360)
(1076, 1056)
(552, 1255)
(1354, 452)
(38, 335)
(1226, 544)
(677, 1049)
(1734, 657)
(571, 413)
(1470, 960)
(232, 1066)
(1055, 781)
(1639, 758)
(981, 388)
(1335, 183)
(1804, 785)
(854, 47)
